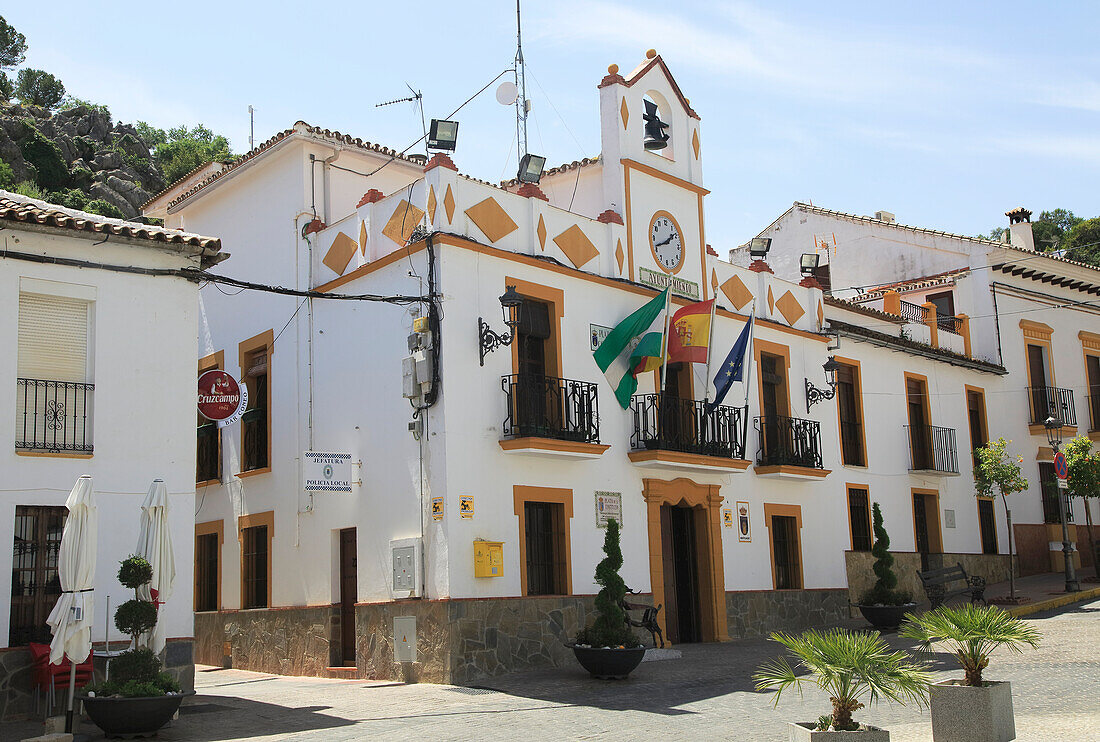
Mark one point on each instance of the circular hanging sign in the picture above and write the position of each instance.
(221, 398)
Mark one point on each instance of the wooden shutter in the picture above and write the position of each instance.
(53, 338)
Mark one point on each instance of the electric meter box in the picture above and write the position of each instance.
(410, 387)
(406, 567)
(488, 558)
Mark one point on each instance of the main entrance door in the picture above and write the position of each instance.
(349, 588)
(680, 549)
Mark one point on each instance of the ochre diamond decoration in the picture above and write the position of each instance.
(790, 308)
(736, 291)
(541, 233)
(624, 112)
(713, 281)
(491, 219)
(449, 204)
(771, 301)
(820, 314)
(339, 254)
(619, 256)
(402, 222)
(695, 143)
(363, 237)
(431, 204)
(578, 248)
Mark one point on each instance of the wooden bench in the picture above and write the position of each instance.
(935, 583)
(648, 621)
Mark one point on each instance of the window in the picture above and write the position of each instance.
(53, 388)
(785, 552)
(926, 524)
(859, 517)
(35, 586)
(1048, 486)
(944, 303)
(975, 411)
(544, 526)
(208, 458)
(207, 569)
(535, 413)
(256, 531)
(1092, 375)
(920, 429)
(850, 410)
(987, 526)
(256, 422)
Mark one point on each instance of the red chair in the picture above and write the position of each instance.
(47, 677)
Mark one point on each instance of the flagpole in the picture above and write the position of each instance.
(664, 338)
(710, 354)
(751, 355)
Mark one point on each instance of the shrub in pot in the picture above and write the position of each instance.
(608, 648)
(884, 606)
(850, 666)
(972, 709)
(139, 698)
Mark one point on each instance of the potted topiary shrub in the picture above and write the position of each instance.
(884, 606)
(971, 709)
(608, 648)
(848, 666)
(139, 698)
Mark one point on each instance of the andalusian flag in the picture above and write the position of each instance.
(619, 361)
(689, 333)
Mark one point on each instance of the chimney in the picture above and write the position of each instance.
(1019, 227)
(885, 216)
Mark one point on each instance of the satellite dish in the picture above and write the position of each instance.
(507, 93)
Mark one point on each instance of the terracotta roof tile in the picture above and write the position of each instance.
(832, 301)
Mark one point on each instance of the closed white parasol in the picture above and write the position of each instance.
(155, 544)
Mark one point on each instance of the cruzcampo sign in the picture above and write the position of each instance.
(221, 398)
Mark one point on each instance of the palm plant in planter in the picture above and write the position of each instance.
(973, 709)
(849, 666)
(139, 698)
(884, 605)
(608, 648)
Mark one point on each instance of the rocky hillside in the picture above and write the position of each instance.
(79, 158)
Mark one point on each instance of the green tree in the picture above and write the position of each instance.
(152, 136)
(7, 176)
(38, 88)
(995, 471)
(6, 87)
(995, 234)
(183, 149)
(1084, 480)
(885, 590)
(1083, 241)
(610, 628)
(13, 45)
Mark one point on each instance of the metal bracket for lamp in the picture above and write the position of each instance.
(815, 395)
(488, 340)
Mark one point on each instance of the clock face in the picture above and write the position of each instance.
(667, 244)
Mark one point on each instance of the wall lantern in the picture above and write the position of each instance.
(443, 135)
(815, 395)
(1054, 432)
(511, 305)
(655, 135)
(530, 168)
(809, 263)
(759, 246)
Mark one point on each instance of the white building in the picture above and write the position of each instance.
(1031, 312)
(98, 375)
(518, 450)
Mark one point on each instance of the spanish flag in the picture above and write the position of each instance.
(689, 333)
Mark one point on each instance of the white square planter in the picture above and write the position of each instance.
(962, 713)
(804, 732)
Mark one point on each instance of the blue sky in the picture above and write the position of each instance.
(945, 113)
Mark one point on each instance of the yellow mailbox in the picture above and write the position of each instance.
(488, 558)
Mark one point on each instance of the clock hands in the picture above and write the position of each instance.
(666, 241)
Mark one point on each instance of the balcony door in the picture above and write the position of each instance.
(678, 423)
(851, 424)
(536, 411)
(1039, 374)
(1092, 371)
(926, 525)
(920, 434)
(774, 405)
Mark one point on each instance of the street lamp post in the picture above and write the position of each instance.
(1054, 437)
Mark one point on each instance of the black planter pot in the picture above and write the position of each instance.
(886, 617)
(132, 717)
(609, 664)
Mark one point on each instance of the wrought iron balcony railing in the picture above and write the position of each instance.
(949, 324)
(789, 440)
(548, 407)
(1049, 401)
(667, 423)
(53, 416)
(910, 311)
(932, 449)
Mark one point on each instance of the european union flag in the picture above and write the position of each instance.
(733, 368)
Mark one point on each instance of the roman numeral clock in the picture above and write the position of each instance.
(666, 242)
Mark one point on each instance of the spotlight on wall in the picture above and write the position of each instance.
(443, 135)
(530, 168)
(809, 263)
(759, 246)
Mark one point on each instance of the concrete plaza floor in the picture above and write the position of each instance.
(707, 694)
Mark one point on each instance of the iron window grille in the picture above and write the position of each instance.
(53, 416)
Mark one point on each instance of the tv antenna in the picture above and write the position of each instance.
(416, 98)
(251, 128)
(522, 104)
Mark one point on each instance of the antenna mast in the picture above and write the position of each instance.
(521, 83)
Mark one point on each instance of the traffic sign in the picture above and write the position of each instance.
(1061, 469)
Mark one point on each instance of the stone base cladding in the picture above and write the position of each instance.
(754, 613)
(281, 641)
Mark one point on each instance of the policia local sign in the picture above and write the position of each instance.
(326, 472)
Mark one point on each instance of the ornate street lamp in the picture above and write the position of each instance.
(815, 395)
(1054, 437)
(511, 304)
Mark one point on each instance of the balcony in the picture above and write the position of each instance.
(947, 323)
(683, 434)
(551, 417)
(932, 450)
(1049, 401)
(53, 417)
(911, 312)
(790, 447)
